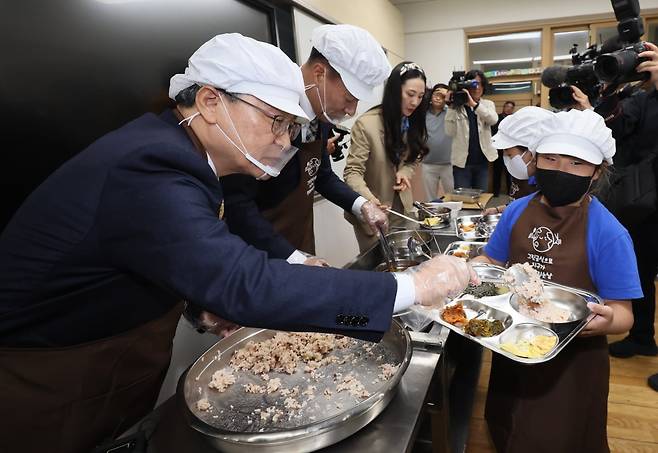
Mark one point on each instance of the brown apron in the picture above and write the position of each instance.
(68, 400)
(520, 188)
(293, 217)
(561, 405)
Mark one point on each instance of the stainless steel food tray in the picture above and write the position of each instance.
(488, 221)
(474, 248)
(500, 307)
(466, 195)
(322, 422)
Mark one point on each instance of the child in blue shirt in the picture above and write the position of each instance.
(571, 239)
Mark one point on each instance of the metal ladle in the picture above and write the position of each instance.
(415, 247)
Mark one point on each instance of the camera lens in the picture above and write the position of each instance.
(612, 66)
(607, 67)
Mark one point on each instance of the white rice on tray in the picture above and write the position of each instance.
(532, 302)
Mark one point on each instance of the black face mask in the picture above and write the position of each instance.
(560, 188)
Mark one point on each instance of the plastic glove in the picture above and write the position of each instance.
(315, 261)
(441, 277)
(374, 216)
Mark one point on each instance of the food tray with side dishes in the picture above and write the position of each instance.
(515, 326)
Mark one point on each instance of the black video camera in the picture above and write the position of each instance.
(560, 79)
(614, 63)
(340, 143)
(458, 82)
(618, 66)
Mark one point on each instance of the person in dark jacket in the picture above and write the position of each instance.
(95, 264)
(633, 122)
(346, 64)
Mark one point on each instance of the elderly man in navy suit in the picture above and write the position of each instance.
(95, 264)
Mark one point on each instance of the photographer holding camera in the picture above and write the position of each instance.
(633, 121)
(468, 122)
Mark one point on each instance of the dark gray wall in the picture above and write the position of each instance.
(72, 70)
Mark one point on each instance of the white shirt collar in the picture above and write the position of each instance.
(212, 165)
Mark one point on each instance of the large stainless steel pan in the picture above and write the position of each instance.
(230, 427)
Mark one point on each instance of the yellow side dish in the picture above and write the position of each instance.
(431, 221)
(538, 346)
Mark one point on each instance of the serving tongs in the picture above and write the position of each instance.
(389, 256)
(481, 225)
(418, 222)
(420, 206)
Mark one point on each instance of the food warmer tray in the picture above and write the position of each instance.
(465, 195)
(227, 428)
(488, 221)
(518, 325)
(474, 248)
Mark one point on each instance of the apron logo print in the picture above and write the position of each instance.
(514, 188)
(312, 166)
(543, 239)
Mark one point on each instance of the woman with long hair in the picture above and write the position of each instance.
(387, 142)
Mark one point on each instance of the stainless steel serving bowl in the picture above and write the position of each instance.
(399, 242)
(441, 213)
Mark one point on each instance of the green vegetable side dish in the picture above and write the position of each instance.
(483, 327)
(486, 289)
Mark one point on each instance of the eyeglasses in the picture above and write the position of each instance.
(280, 124)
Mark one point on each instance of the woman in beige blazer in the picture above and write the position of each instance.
(387, 142)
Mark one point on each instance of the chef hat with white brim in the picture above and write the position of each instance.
(520, 128)
(238, 64)
(355, 55)
(576, 133)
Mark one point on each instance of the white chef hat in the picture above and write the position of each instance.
(576, 133)
(243, 65)
(520, 128)
(355, 55)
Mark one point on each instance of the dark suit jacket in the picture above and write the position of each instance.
(245, 198)
(121, 232)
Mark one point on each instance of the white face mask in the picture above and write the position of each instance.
(279, 155)
(517, 167)
(334, 121)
